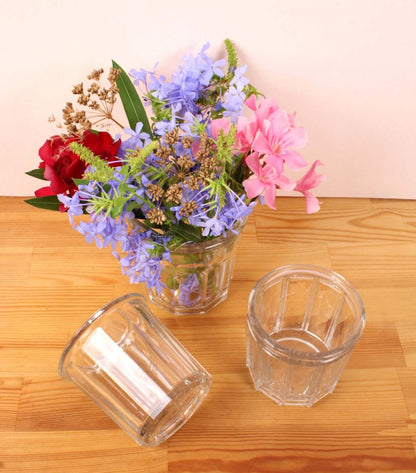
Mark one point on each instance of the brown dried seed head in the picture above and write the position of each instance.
(72, 129)
(156, 216)
(95, 74)
(187, 208)
(78, 89)
(193, 183)
(113, 74)
(69, 108)
(83, 99)
(174, 193)
(200, 155)
(184, 162)
(209, 163)
(94, 105)
(205, 143)
(78, 116)
(154, 191)
(103, 94)
(187, 142)
(94, 88)
(172, 137)
(162, 152)
(86, 124)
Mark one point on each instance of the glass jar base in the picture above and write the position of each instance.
(197, 309)
(186, 399)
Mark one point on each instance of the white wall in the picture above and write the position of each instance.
(347, 67)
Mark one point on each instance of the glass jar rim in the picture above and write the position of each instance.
(93, 318)
(277, 349)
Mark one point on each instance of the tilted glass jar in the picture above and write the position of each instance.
(132, 367)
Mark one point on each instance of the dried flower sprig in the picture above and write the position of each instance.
(96, 101)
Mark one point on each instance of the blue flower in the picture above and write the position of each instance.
(234, 97)
(233, 102)
(75, 207)
(137, 140)
(168, 125)
(213, 226)
(239, 80)
(189, 291)
(137, 259)
(187, 82)
(103, 230)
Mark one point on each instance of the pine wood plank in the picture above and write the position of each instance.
(51, 281)
(66, 452)
(10, 390)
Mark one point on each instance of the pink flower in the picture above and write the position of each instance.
(265, 182)
(220, 124)
(310, 180)
(276, 141)
(272, 133)
(247, 128)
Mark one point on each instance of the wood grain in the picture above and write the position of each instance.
(51, 280)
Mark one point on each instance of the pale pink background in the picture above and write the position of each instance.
(347, 67)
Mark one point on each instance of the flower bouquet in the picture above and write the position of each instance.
(171, 194)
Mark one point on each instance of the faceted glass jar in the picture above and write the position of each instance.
(199, 274)
(302, 325)
(132, 367)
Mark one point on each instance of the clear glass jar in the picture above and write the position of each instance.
(199, 274)
(302, 325)
(132, 367)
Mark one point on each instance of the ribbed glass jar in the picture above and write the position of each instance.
(132, 367)
(198, 276)
(302, 325)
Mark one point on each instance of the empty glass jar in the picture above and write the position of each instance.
(302, 325)
(131, 366)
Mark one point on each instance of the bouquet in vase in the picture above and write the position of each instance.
(173, 189)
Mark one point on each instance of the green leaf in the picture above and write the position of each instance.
(38, 173)
(131, 101)
(187, 232)
(79, 182)
(49, 202)
(118, 206)
(131, 206)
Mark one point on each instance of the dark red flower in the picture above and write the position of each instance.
(103, 145)
(62, 165)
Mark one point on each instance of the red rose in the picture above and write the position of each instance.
(62, 165)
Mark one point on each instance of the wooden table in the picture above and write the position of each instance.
(52, 280)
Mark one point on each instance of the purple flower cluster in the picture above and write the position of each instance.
(141, 256)
(189, 291)
(137, 140)
(187, 82)
(235, 97)
(225, 217)
(141, 253)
